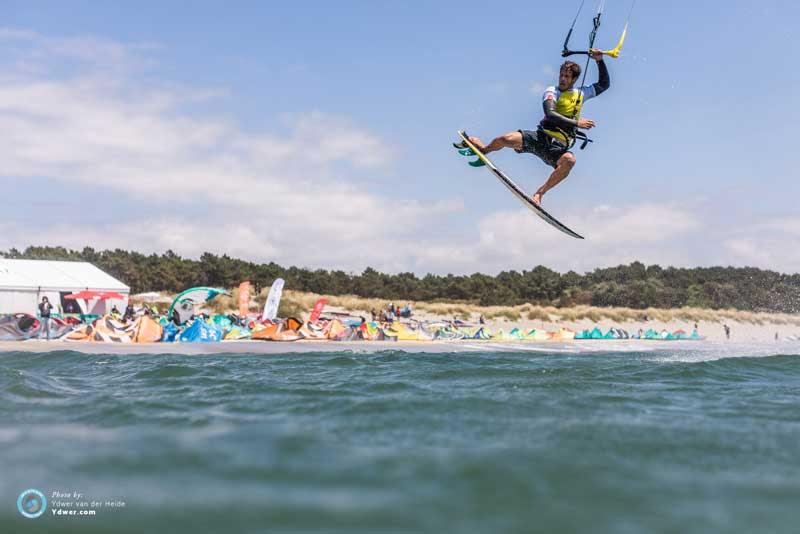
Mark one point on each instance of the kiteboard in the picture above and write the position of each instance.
(517, 190)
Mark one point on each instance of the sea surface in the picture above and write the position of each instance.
(595, 438)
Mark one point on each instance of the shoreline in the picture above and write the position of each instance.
(307, 346)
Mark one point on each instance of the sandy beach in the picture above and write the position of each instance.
(742, 334)
(740, 331)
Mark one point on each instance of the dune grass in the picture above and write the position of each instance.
(299, 304)
(471, 311)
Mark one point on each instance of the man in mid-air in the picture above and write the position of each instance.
(556, 133)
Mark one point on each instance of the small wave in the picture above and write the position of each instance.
(168, 371)
(342, 360)
(390, 387)
(783, 364)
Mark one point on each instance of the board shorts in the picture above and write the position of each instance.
(539, 143)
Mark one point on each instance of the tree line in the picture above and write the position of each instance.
(633, 286)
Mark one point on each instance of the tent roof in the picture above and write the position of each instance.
(56, 276)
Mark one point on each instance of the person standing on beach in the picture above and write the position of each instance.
(130, 313)
(44, 313)
(727, 331)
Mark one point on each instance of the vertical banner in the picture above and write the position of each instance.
(273, 300)
(244, 299)
(317, 311)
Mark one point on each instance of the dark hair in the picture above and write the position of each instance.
(573, 68)
(45, 298)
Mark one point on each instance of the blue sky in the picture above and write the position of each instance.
(317, 133)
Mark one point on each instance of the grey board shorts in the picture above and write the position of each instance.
(539, 143)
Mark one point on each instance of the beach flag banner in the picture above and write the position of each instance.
(317, 311)
(244, 299)
(273, 300)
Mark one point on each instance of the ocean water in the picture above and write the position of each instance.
(593, 438)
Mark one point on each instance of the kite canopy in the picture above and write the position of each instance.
(201, 332)
(18, 327)
(186, 302)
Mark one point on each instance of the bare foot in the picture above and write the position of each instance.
(537, 199)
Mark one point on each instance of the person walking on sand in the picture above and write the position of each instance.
(44, 313)
(727, 331)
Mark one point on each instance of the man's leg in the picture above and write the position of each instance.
(509, 140)
(563, 166)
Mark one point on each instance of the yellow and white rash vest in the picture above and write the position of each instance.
(568, 104)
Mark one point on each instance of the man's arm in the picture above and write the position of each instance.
(560, 120)
(604, 82)
(555, 117)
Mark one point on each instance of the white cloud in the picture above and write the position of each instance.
(290, 191)
(518, 239)
(314, 245)
(788, 225)
(504, 240)
(771, 244)
(96, 52)
(776, 253)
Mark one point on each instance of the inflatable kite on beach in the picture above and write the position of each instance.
(186, 302)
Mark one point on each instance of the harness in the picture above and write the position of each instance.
(568, 138)
(562, 137)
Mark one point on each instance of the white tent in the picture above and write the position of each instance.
(23, 283)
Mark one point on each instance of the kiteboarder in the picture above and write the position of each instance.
(561, 125)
